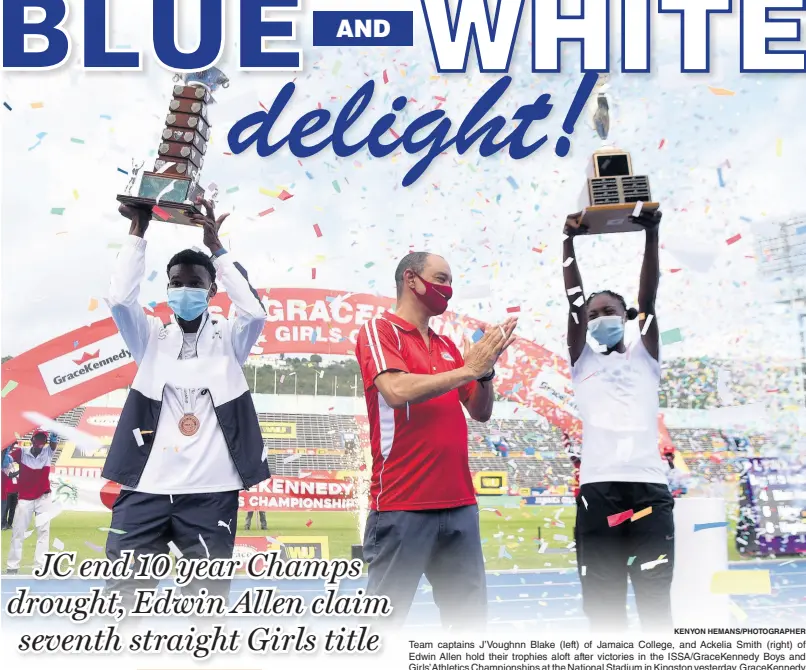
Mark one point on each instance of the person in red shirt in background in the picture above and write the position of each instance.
(8, 488)
(424, 518)
(34, 498)
(573, 454)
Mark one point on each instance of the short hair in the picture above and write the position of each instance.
(414, 261)
(632, 313)
(192, 257)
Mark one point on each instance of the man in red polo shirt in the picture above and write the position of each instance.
(33, 485)
(424, 518)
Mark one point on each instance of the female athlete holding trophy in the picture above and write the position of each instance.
(624, 525)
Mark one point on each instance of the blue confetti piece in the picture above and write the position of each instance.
(512, 183)
(477, 335)
(7, 106)
(122, 170)
(106, 116)
(313, 337)
(152, 276)
(706, 526)
(746, 219)
(308, 175)
(152, 304)
(75, 344)
(721, 180)
(800, 231)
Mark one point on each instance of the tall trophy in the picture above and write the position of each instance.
(613, 194)
(171, 190)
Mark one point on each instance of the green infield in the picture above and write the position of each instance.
(512, 537)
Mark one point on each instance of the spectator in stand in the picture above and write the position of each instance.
(8, 486)
(34, 499)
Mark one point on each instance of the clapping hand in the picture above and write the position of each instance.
(481, 357)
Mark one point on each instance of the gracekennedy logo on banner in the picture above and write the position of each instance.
(80, 366)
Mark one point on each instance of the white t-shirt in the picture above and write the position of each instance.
(617, 397)
(200, 463)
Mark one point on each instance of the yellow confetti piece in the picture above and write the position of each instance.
(271, 194)
(75, 194)
(93, 304)
(738, 612)
(37, 105)
(641, 514)
(779, 147)
(721, 91)
(741, 582)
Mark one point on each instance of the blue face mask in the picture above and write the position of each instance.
(188, 303)
(607, 330)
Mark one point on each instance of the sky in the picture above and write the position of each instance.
(487, 216)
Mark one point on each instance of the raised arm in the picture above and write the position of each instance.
(577, 315)
(250, 316)
(650, 278)
(124, 288)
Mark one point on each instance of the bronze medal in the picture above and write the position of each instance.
(188, 425)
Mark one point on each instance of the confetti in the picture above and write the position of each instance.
(76, 140)
(336, 186)
(317, 230)
(671, 336)
(513, 310)
(640, 515)
(284, 195)
(7, 106)
(369, 265)
(94, 547)
(58, 545)
(152, 276)
(512, 183)
(313, 273)
(233, 189)
(720, 91)
(648, 321)
(741, 582)
(385, 77)
(114, 531)
(584, 570)
(309, 523)
(123, 171)
(737, 611)
(631, 560)
(37, 105)
(161, 213)
(706, 526)
(617, 519)
(266, 211)
(8, 388)
(779, 147)
(654, 564)
(93, 304)
(138, 437)
(568, 261)
(734, 239)
(174, 550)
(720, 177)
(477, 335)
(57, 210)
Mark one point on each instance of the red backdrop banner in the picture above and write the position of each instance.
(79, 366)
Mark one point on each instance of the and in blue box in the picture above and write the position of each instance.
(369, 28)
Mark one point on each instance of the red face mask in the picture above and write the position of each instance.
(436, 296)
